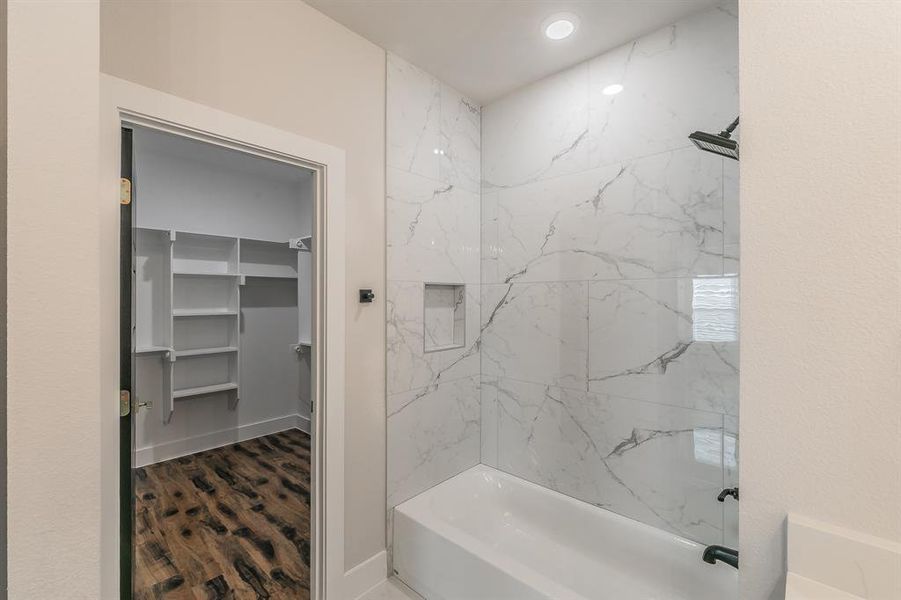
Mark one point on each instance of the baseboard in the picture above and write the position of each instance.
(365, 576)
(217, 439)
(822, 555)
(303, 423)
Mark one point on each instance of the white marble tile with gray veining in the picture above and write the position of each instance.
(413, 119)
(460, 154)
(659, 216)
(490, 251)
(658, 464)
(433, 230)
(670, 341)
(389, 538)
(536, 332)
(731, 220)
(730, 479)
(409, 365)
(489, 421)
(538, 132)
(433, 434)
(676, 80)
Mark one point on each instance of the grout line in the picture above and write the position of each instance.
(618, 396)
(613, 280)
(429, 281)
(425, 489)
(625, 161)
(437, 385)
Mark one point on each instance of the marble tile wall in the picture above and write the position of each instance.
(433, 232)
(609, 272)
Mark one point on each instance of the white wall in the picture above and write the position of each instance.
(3, 167)
(192, 186)
(821, 245)
(287, 65)
(53, 286)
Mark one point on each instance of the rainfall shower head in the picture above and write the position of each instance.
(721, 143)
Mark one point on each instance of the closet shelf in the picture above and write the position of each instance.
(152, 350)
(204, 312)
(199, 312)
(203, 274)
(204, 390)
(262, 276)
(205, 351)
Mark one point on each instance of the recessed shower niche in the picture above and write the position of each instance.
(444, 316)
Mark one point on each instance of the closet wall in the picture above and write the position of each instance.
(212, 200)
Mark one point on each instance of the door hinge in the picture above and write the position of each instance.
(311, 406)
(124, 403)
(124, 190)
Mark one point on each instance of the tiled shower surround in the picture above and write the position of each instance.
(433, 200)
(600, 263)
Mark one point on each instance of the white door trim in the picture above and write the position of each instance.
(123, 101)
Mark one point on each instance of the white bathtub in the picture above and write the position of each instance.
(488, 535)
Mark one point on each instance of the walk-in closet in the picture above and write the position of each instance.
(222, 348)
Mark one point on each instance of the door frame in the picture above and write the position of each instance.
(124, 103)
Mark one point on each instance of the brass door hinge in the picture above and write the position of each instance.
(124, 190)
(124, 403)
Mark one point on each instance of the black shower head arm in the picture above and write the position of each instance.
(727, 133)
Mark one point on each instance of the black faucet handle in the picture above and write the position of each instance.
(722, 554)
(728, 492)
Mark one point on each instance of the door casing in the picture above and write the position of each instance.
(126, 364)
(123, 102)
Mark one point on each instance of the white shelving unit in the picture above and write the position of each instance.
(304, 277)
(189, 310)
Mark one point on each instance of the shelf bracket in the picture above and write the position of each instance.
(304, 244)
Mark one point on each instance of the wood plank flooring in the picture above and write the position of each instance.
(231, 523)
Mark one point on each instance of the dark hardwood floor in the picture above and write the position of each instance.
(231, 523)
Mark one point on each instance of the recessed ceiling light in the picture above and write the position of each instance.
(560, 26)
(612, 89)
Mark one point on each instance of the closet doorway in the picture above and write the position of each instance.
(230, 265)
(217, 257)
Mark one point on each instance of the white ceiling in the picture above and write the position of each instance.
(488, 48)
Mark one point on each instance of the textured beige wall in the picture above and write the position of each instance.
(3, 590)
(53, 409)
(821, 251)
(287, 65)
(821, 384)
